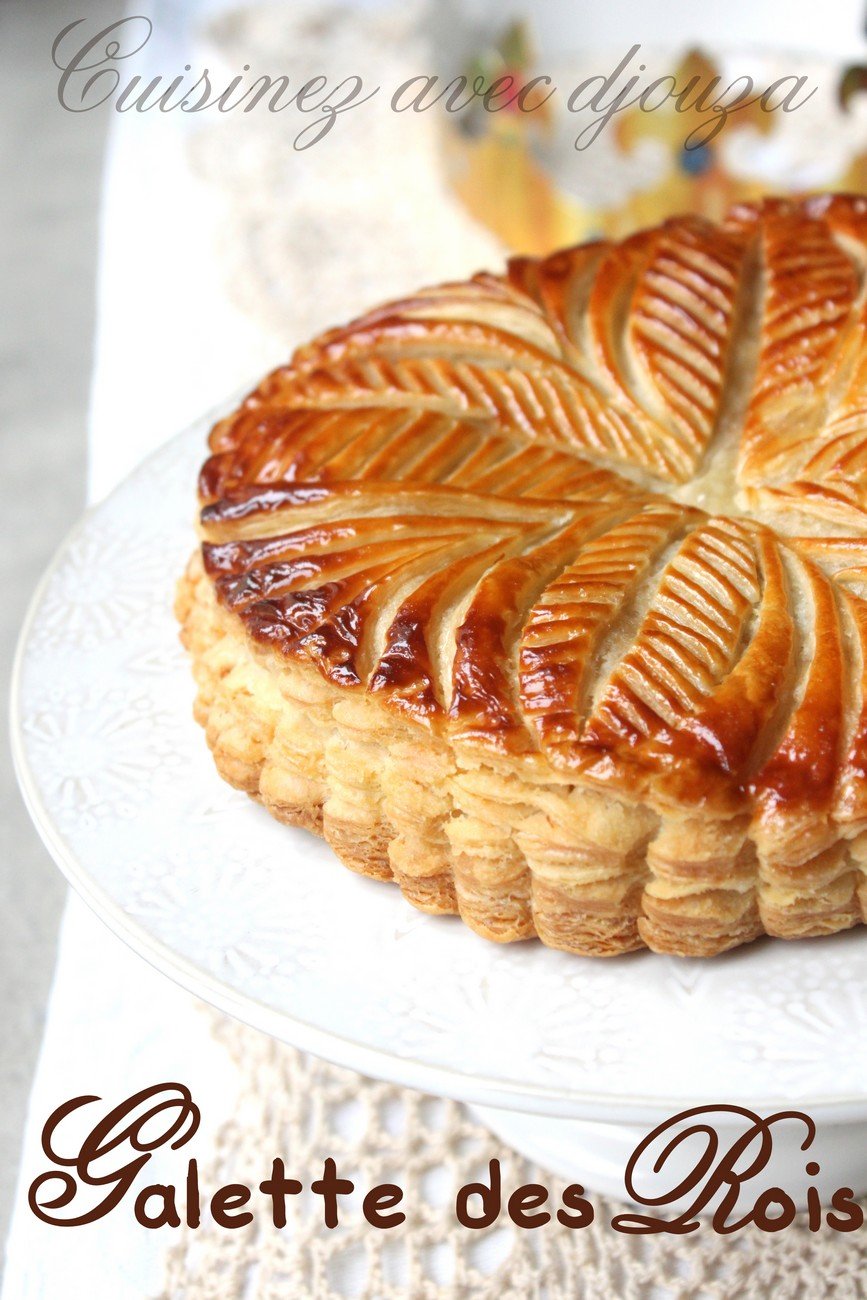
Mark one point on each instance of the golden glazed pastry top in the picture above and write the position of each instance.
(603, 514)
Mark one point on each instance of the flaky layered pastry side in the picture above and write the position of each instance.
(543, 594)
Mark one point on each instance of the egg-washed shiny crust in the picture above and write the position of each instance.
(543, 594)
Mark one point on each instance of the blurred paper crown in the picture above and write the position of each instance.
(518, 170)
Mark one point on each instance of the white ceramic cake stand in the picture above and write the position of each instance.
(571, 1060)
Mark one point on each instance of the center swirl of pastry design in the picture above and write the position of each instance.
(603, 516)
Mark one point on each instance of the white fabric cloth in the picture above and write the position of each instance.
(113, 1026)
(169, 345)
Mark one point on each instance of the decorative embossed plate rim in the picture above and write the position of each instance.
(263, 922)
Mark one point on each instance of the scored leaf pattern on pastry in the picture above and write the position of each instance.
(604, 510)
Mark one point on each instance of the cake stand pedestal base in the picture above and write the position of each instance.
(597, 1154)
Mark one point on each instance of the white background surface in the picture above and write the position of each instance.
(154, 368)
(48, 236)
(168, 346)
(48, 248)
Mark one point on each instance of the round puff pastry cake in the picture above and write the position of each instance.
(543, 594)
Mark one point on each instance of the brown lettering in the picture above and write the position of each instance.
(329, 1187)
(226, 1204)
(167, 1216)
(490, 1197)
(383, 1197)
(525, 1199)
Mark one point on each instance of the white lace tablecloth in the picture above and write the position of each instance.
(220, 248)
